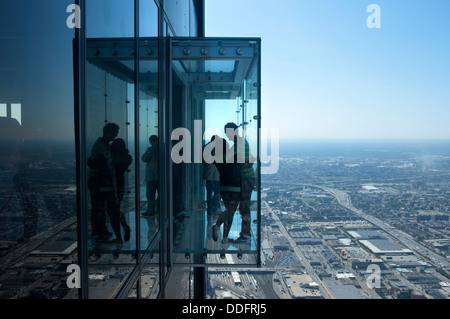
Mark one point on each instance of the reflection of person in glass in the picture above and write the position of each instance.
(101, 183)
(177, 181)
(151, 157)
(122, 160)
(212, 179)
(241, 152)
(230, 189)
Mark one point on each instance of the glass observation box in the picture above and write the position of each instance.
(216, 88)
(171, 138)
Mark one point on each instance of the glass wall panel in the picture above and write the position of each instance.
(180, 284)
(165, 163)
(148, 284)
(215, 86)
(148, 18)
(178, 13)
(149, 148)
(110, 144)
(150, 277)
(110, 18)
(193, 20)
(38, 237)
(149, 129)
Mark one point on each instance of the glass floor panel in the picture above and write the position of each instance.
(149, 229)
(186, 240)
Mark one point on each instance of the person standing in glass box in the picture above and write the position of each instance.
(122, 160)
(241, 153)
(151, 157)
(102, 186)
(237, 180)
(211, 176)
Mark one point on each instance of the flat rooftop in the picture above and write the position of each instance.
(384, 246)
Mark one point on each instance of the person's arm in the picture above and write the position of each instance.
(129, 160)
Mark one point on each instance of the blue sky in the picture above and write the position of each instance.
(325, 74)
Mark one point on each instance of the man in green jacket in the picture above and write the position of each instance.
(242, 154)
(238, 179)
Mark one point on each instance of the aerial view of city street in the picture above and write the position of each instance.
(354, 220)
(359, 220)
(340, 220)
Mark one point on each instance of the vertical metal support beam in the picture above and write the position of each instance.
(200, 12)
(199, 277)
(137, 141)
(244, 107)
(258, 175)
(162, 147)
(79, 58)
(8, 110)
(168, 132)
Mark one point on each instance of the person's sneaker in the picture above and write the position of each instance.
(126, 235)
(243, 239)
(215, 232)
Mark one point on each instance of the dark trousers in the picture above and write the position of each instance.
(213, 196)
(123, 220)
(152, 198)
(247, 186)
(231, 201)
(104, 203)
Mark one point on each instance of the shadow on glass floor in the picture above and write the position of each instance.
(193, 238)
(149, 228)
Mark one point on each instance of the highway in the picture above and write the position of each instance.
(308, 268)
(344, 199)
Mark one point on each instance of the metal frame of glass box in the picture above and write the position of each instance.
(212, 68)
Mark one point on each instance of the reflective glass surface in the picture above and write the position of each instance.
(38, 234)
(149, 149)
(214, 83)
(178, 15)
(110, 145)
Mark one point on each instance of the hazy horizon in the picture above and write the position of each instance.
(326, 74)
